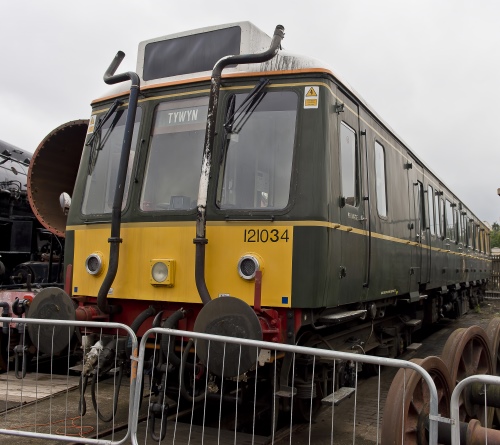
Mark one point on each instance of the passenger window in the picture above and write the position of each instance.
(443, 220)
(380, 182)
(349, 164)
(464, 229)
(420, 207)
(456, 222)
(449, 222)
(430, 208)
(438, 217)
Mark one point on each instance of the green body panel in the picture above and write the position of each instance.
(311, 269)
(69, 249)
(408, 259)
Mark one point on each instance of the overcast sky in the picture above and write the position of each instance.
(430, 69)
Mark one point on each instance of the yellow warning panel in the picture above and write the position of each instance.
(311, 92)
(91, 124)
(311, 97)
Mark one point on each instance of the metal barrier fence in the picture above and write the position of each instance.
(44, 396)
(212, 407)
(45, 399)
(473, 431)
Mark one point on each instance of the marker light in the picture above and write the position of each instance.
(247, 266)
(94, 263)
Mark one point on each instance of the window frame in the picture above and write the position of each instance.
(431, 209)
(160, 105)
(219, 184)
(134, 159)
(438, 220)
(356, 166)
(377, 146)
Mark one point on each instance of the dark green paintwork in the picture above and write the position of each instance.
(319, 253)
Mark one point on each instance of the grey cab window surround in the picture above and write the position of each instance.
(104, 159)
(349, 165)
(175, 151)
(380, 179)
(258, 152)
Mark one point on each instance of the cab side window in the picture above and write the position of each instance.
(349, 164)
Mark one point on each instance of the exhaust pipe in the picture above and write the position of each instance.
(206, 165)
(116, 215)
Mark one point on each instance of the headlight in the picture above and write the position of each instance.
(159, 272)
(162, 272)
(94, 264)
(247, 266)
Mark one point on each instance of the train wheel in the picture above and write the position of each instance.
(307, 401)
(493, 331)
(466, 353)
(406, 411)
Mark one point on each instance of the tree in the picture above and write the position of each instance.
(495, 235)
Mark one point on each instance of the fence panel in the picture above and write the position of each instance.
(495, 273)
(209, 407)
(45, 397)
(473, 431)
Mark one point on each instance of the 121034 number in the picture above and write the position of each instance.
(264, 236)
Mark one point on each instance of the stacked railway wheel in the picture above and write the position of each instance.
(406, 412)
(467, 352)
(493, 331)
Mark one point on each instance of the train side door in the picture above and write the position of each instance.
(418, 228)
(354, 239)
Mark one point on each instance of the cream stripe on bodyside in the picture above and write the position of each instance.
(326, 224)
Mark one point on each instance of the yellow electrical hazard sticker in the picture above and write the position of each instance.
(311, 97)
(91, 124)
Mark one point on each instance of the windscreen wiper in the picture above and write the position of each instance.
(96, 142)
(102, 121)
(249, 104)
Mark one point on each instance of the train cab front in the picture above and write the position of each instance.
(136, 262)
